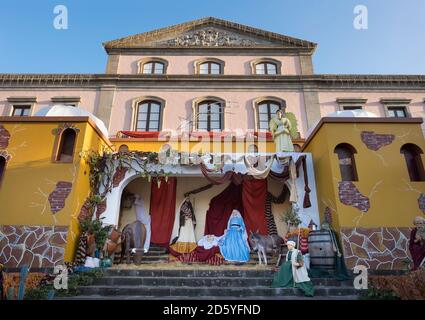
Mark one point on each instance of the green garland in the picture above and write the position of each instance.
(103, 166)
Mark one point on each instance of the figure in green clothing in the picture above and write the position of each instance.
(293, 273)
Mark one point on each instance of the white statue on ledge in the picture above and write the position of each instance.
(280, 128)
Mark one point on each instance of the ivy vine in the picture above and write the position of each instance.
(104, 164)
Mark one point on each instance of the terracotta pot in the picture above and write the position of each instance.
(110, 247)
(115, 235)
(91, 245)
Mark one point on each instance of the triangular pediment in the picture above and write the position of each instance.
(208, 32)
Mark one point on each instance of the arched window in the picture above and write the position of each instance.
(148, 116)
(123, 148)
(347, 164)
(210, 67)
(412, 155)
(210, 115)
(2, 167)
(266, 68)
(66, 145)
(266, 110)
(153, 67)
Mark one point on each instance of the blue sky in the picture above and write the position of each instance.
(394, 42)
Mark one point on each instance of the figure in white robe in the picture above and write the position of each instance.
(144, 217)
(185, 241)
(280, 127)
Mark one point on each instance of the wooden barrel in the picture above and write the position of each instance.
(320, 248)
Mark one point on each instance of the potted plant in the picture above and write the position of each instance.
(97, 231)
(291, 218)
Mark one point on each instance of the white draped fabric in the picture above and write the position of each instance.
(143, 216)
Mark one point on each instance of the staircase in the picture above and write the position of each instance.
(158, 254)
(155, 254)
(218, 283)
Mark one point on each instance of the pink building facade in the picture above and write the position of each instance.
(247, 72)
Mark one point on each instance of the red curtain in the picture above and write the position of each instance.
(221, 207)
(254, 193)
(163, 210)
(249, 198)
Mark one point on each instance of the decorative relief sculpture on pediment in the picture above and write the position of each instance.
(209, 37)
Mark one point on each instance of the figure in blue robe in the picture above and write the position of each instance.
(234, 245)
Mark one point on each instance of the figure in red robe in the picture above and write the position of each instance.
(417, 243)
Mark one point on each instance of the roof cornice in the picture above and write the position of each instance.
(316, 81)
(192, 50)
(130, 41)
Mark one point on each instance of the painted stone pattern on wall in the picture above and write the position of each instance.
(376, 248)
(33, 246)
(421, 202)
(376, 141)
(351, 196)
(86, 211)
(101, 208)
(118, 176)
(58, 196)
(4, 137)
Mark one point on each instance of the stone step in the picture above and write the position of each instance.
(157, 248)
(150, 260)
(209, 291)
(152, 250)
(145, 262)
(226, 298)
(162, 257)
(266, 272)
(195, 272)
(146, 259)
(203, 281)
(253, 257)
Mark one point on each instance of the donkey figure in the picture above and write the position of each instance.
(264, 244)
(132, 238)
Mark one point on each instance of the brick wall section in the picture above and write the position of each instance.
(85, 211)
(101, 208)
(376, 141)
(421, 202)
(58, 196)
(351, 196)
(118, 176)
(4, 137)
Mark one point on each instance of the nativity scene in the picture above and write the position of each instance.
(229, 220)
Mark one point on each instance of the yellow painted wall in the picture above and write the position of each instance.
(382, 174)
(92, 141)
(30, 177)
(319, 148)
